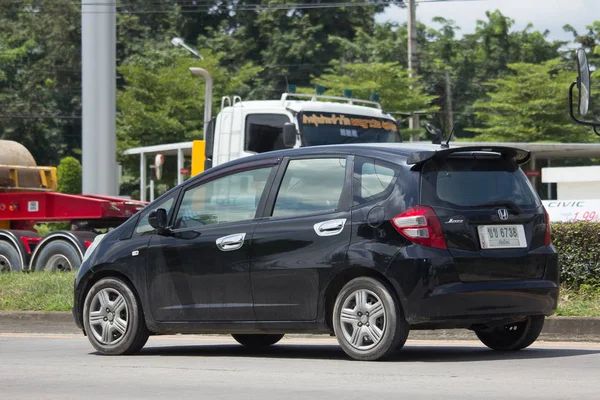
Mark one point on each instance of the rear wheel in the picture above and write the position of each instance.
(58, 256)
(513, 337)
(113, 318)
(257, 340)
(9, 258)
(368, 321)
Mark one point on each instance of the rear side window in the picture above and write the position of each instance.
(373, 179)
(468, 182)
(264, 132)
(311, 186)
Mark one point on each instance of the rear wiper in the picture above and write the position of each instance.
(505, 203)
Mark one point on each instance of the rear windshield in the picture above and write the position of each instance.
(468, 182)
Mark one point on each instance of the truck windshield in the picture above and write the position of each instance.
(318, 128)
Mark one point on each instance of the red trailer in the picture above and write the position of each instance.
(28, 196)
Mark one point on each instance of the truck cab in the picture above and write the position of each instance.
(244, 128)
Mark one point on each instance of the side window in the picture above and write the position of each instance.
(230, 198)
(372, 179)
(310, 186)
(143, 225)
(264, 132)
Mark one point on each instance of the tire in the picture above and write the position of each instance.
(58, 256)
(258, 340)
(122, 329)
(513, 337)
(367, 337)
(9, 258)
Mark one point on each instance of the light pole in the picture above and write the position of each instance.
(178, 42)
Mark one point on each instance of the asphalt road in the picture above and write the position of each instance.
(199, 367)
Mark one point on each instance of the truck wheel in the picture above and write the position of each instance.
(513, 337)
(113, 318)
(9, 258)
(257, 340)
(58, 256)
(368, 321)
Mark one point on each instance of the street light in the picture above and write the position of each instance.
(178, 42)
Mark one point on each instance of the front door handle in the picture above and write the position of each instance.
(231, 242)
(330, 228)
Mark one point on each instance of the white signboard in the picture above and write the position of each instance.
(573, 210)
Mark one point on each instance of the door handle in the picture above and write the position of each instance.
(330, 228)
(231, 242)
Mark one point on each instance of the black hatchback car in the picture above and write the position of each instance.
(361, 241)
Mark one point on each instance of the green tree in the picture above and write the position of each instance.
(397, 91)
(69, 176)
(529, 105)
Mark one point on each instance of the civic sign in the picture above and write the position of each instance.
(573, 210)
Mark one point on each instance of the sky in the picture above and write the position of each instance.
(543, 14)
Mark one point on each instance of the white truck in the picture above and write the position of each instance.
(243, 128)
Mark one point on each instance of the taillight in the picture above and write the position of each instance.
(548, 233)
(420, 225)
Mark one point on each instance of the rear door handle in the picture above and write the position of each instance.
(331, 227)
(231, 242)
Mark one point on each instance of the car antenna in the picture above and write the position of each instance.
(447, 145)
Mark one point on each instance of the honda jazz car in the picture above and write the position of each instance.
(365, 242)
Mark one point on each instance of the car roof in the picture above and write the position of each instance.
(391, 151)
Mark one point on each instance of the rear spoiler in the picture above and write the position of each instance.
(518, 155)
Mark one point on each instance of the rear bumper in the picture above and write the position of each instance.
(462, 305)
(433, 296)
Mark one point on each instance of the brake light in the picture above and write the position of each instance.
(420, 225)
(548, 233)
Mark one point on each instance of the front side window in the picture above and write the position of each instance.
(311, 186)
(143, 225)
(264, 132)
(322, 128)
(231, 198)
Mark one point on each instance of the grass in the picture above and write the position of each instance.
(39, 291)
(46, 291)
(584, 302)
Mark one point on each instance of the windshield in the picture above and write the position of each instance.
(318, 128)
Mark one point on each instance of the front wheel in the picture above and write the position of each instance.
(113, 318)
(257, 340)
(513, 337)
(368, 321)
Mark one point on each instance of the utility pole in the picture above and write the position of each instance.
(98, 86)
(413, 59)
(449, 114)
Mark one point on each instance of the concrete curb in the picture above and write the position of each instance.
(555, 328)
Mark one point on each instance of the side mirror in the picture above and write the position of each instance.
(583, 82)
(158, 219)
(289, 134)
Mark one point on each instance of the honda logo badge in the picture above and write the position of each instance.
(503, 214)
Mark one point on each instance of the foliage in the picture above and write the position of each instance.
(43, 229)
(40, 66)
(397, 91)
(39, 291)
(578, 247)
(584, 301)
(69, 176)
(529, 105)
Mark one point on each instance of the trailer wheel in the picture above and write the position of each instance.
(9, 258)
(58, 256)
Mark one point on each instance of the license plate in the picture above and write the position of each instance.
(502, 236)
